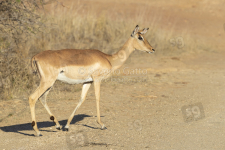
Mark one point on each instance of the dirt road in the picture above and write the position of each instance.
(142, 112)
(175, 101)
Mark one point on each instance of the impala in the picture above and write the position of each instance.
(71, 65)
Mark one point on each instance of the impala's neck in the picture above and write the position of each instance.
(119, 58)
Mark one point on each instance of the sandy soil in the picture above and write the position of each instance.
(177, 102)
(145, 113)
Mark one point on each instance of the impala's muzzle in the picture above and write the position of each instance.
(151, 51)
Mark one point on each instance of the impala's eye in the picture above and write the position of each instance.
(140, 38)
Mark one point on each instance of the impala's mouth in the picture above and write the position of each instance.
(150, 52)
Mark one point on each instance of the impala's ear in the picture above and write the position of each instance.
(144, 30)
(135, 31)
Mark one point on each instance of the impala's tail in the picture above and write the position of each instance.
(34, 66)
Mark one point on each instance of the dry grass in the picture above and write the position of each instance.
(76, 30)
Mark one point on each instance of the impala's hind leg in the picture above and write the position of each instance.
(85, 89)
(43, 87)
(44, 103)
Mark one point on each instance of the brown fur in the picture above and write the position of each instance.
(52, 118)
(70, 57)
(51, 63)
(33, 123)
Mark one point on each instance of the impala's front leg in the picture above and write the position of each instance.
(85, 89)
(97, 84)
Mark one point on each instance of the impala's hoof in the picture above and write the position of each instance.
(103, 127)
(66, 129)
(39, 134)
(58, 128)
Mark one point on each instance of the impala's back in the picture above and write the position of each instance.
(71, 65)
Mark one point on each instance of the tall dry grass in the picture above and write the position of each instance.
(67, 28)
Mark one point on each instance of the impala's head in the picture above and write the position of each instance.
(140, 43)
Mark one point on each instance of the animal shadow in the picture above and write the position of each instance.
(19, 128)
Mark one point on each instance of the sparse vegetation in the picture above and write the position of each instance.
(75, 30)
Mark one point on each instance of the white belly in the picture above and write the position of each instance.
(65, 79)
